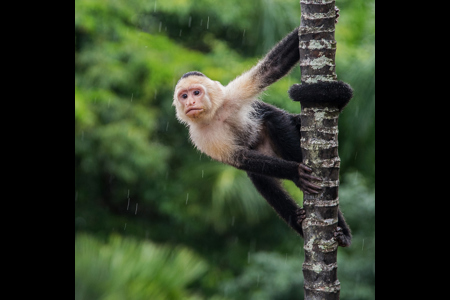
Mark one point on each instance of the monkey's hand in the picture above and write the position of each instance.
(304, 181)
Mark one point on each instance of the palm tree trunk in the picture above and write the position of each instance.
(319, 146)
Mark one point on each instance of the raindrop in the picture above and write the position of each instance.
(132, 93)
(160, 24)
(362, 245)
(190, 19)
(167, 126)
(201, 22)
(356, 154)
(154, 10)
(180, 31)
(187, 197)
(207, 24)
(202, 173)
(125, 226)
(232, 221)
(135, 212)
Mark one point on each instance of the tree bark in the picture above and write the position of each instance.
(319, 146)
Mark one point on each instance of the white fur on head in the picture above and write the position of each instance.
(211, 101)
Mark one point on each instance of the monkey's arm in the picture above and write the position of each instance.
(255, 162)
(276, 64)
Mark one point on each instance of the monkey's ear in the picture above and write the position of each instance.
(322, 94)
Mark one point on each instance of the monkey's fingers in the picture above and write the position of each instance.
(309, 187)
(310, 177)
(304, 168)
(309, 191)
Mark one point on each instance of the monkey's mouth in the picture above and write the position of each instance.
(193, 111)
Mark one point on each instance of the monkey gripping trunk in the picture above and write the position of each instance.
(322, 98)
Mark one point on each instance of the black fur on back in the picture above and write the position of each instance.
(283, 129)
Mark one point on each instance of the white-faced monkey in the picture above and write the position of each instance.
(231, 125)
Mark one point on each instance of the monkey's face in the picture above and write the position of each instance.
(193, 98)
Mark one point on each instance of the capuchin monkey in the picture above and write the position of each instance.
(230, 124)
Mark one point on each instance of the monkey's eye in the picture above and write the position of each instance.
(196, 93)
(184, 96)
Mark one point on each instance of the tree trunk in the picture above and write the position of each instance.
(319, 146)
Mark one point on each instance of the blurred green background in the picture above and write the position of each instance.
(154, 218)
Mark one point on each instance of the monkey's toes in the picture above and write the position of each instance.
(301, 215)
(337, 14)
(340, 238)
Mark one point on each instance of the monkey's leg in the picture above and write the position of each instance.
(282, 203)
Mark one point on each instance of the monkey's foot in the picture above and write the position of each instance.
(337, 14)
(301, 215)
(340, 238)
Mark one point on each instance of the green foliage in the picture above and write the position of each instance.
(124, 268)
(270, 276)
(356, 264)
(138, 180)
(355, 64)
